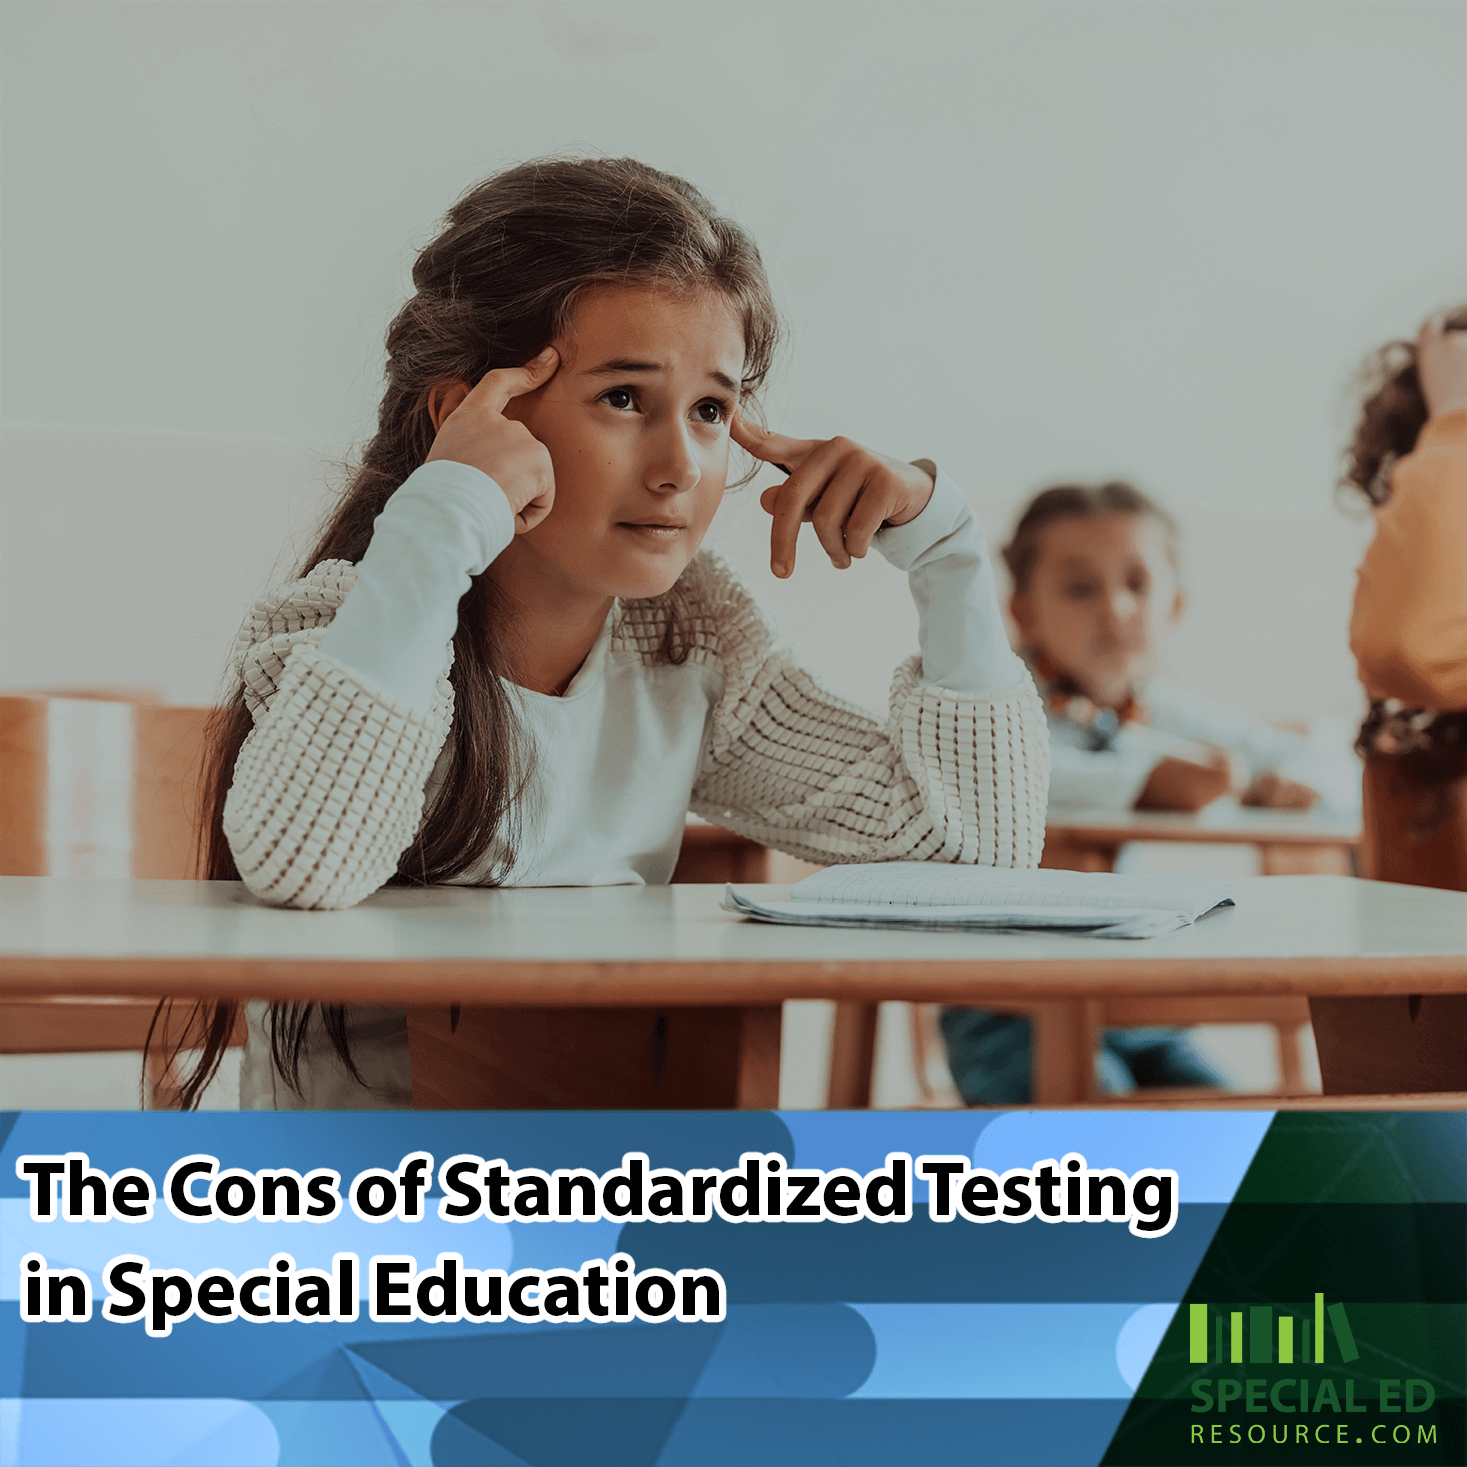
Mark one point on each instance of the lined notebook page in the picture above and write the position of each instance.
(932, 884)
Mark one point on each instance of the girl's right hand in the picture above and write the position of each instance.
(472, 429)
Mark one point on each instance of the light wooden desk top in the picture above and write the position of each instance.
(675, 945)
(1224, 820)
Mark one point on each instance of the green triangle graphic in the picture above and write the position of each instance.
(1338, 1272)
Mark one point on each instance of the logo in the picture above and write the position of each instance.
(1261, 1335)
(1303, 1408)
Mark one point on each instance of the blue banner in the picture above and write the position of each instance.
(703, 1288)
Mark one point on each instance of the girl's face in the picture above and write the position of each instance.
(636, 422)
(1102, 597)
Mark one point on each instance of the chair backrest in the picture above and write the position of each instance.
(22, 787)
(95, 786)
(168, 757)
(1414, 833)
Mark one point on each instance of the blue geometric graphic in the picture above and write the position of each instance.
(849, 1343)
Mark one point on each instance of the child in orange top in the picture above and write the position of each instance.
(1096, 594)
(1408, 631)
(1408, 628)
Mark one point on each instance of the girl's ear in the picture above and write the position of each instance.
(443, 399)
(1179, 605)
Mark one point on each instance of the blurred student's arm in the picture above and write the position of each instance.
(1275, 792)
(1142, 769)
(1408, 627)
(1282, 769)
(1187, 784)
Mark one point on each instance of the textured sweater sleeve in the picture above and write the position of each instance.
(346, 674)
(958, 772)
(1408, 628)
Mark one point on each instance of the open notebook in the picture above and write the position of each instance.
(933, 896)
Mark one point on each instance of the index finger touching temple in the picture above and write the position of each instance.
(770, 448)
(504, 383)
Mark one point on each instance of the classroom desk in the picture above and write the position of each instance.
(1290, 842)
(700, 986)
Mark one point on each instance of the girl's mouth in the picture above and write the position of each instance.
(656, 530)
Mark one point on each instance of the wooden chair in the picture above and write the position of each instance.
(711, 853)
(853, 1043)
(1288, 1016)
(93, 784)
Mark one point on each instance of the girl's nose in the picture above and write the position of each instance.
(672, 467)
(1124, 605)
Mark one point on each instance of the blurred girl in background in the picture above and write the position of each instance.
(1096, 595)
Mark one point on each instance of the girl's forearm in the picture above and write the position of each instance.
(444, 525)
(950, 572)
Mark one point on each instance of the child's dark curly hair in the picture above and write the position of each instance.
(1391, 417)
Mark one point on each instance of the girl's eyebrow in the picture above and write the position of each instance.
(619, 365)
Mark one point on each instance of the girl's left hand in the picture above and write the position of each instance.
(847, 492)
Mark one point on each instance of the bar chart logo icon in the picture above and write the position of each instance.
(1268, 1344)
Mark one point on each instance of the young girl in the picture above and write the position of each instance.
(1408, 631)
(1095, 595)
(507, 661)
(1408, 625)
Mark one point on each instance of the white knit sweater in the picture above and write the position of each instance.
(330, 785)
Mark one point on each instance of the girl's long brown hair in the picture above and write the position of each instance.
(1427, 748)
(501, 280)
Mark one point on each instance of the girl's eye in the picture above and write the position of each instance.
(618, 397)
(710, 412)
(1078, 590)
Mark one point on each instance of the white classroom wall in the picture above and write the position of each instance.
(1030, 240)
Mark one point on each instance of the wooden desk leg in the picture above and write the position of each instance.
(1391, 1046)
(594, 1059)
(1299, 860)
(759, 1048)
(1065, 1036)
(852, 1056)
(1291, 1058)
